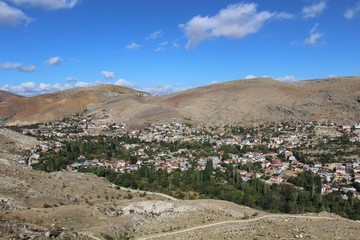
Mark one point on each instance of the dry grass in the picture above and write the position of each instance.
(87, 205)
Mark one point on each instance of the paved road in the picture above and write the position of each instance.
(229, 222)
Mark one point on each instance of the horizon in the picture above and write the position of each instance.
(182, 90)
(58, 45)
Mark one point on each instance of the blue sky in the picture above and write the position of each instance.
(162, 46)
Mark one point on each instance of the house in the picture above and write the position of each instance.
(317, 164)
(349, 164)
(57, 150)
(341, 170)
(278, 171)
(326, 189)
(275, 179)
(276, 162)
(288, 154)
(357, 177)
(356, 169)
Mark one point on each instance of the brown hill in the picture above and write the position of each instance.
(49, 107)
(264, 100)
(249, 102)
(243, 102)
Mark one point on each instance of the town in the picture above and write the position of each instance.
(273, 153)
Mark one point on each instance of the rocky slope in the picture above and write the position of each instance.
(64, 205)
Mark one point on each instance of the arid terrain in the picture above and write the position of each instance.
(65, 205)
(69, 205)
(244, 102)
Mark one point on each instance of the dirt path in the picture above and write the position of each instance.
(90, 236)
(149, 193)
(233, 221)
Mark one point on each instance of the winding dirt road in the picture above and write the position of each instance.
(230, 222)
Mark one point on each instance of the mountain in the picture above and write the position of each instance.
(267, 100)
(49, 107)
(245, 102)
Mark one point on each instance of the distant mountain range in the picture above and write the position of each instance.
(244, 102)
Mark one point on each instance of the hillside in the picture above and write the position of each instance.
(66, 205)
(249, 102)
(49, 107)
(267, 100)
(243, 102)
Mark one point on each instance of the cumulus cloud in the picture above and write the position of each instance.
(108, 75)
(288, 78)
(155, 35)
(250, 77)
(83, 84)
(17, 66)
(352, 12)
(47, 4)
(133, 46)
(314, 36)
(31, 89)
(12, 16)
(54, 61)
(71, 79)
(236, 21)
(124, 83)
(314, 10)
(159, 49)
(161, 89)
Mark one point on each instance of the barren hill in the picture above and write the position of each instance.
(65, 205)
(49, 107)
(248, 102)
(244, 102)
(262, 100)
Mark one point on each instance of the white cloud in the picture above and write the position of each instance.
(288, 78)
(163, 43)
(175, 43)
(47, 4)
(332, 76)
(314, 10)
(352, 12)
(124, 83)
(132, 46)
(108, 75)
(31, 89)
(155, 35)
(17, 66)
(250, 77)
(54, 61)
(83, 84)
(314, 36)
(12, 16)
(71, 79)
(161, 89)
(235, 21)
(159, 49)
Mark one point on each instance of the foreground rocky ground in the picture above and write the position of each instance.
(64, 205)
